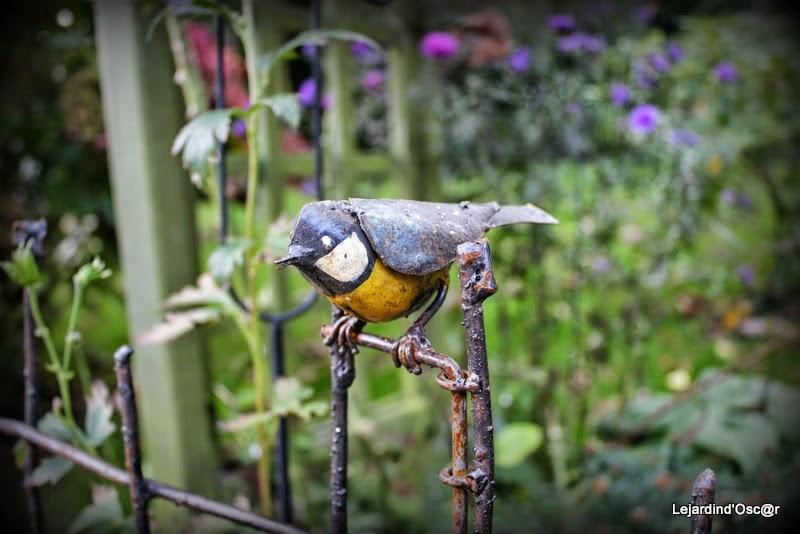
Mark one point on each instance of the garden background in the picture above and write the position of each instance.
(647, 336)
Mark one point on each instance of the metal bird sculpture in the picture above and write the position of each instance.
(378, 260)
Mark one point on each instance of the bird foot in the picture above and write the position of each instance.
(405, 349)
(343, 334)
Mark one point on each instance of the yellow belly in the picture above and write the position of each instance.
(387, 294)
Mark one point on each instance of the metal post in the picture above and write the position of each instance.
(130, 435)
(282, 445)
(343, 373)
(458, 427)
(702, 494)
(478, 284)
(31, 455)
(23, 232)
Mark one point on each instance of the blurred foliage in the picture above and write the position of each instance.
(648, 336)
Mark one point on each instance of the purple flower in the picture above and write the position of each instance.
(747, 275)
(309, 50)
(643, 119)
(364, 53)
(439, 45)
(520, 59)
(726, 72)
(732, 197)
(239, 129)
(581, 42)
(675, 52)
(658, 62)
(620, 94)
(360, 49)
(561, 22)
(602, 265)
(307, 94)
(372, 80)
(644, 76)
(593, 44)
(685, 137)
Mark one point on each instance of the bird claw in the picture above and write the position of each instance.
(343, 334)
(406, 347)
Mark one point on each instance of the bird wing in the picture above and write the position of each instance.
(418, 238)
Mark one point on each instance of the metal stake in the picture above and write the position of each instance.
(343, 373)
(140, 495)
(24, 232)
(702, 494)
(31, 454)
(478, 284)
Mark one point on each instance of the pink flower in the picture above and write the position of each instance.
(373, 80)
(439, 45)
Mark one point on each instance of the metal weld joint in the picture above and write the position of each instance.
(476, 274)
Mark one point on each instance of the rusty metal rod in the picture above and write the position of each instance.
(118, 476)
(31, 395)
(130, 437)
(478, 284)
(282, 481)
(458, 428)
(702, 494)
(453, 377)
(343, 373)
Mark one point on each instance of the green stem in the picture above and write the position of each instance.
(61, 372)
(69, 337)
(82, 370)
(253, 169)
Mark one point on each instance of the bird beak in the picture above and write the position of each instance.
(286, 261)
(295, 256)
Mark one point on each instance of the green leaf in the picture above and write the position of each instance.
(99, 410)
(50, 470)
(205, 293)
(104, 516)
(285, 106)
(176, 324)
(55, 427)
(224, 260)
(198, 139)
(22, 269)
(319, 37)
(744, 437)
(782, 403)
(20, 452)
(515, 442)
(288, 396)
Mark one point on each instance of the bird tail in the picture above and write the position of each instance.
(528, 213)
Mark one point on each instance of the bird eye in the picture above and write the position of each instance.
(346, 262)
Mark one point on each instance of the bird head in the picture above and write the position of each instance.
(329, 248)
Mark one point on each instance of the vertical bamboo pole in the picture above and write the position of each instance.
(155, 227)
